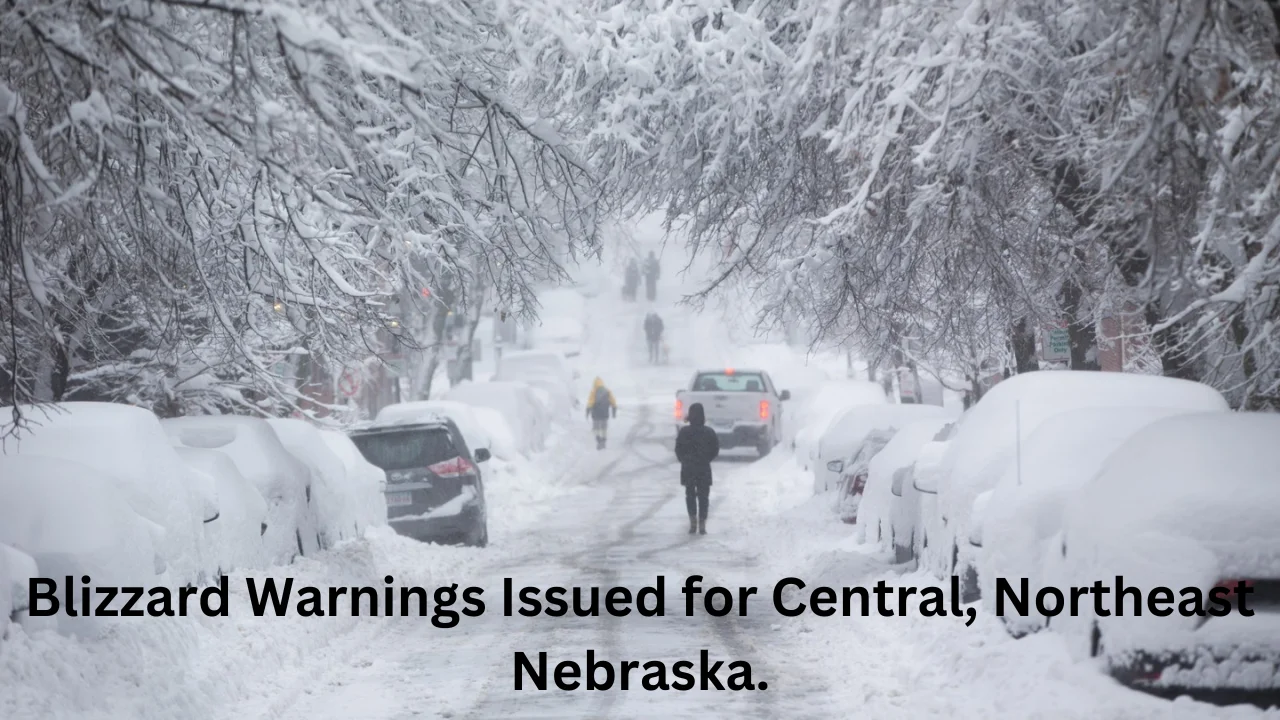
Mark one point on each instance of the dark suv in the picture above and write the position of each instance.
(434, 489)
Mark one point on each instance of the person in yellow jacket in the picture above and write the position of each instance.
(600, 405)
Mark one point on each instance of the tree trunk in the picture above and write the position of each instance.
(1023, 340)
(1080, 328)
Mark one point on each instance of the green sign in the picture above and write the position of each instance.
(1057, 345)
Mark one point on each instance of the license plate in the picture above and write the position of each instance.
(399, 499)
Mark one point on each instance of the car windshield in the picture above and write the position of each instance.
(406, 449)
(729, 382)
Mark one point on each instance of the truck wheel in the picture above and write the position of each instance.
(764, 446)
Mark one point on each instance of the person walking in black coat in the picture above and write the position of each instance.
(696, 446)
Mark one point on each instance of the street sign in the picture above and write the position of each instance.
(349, 383)
(1056, 345)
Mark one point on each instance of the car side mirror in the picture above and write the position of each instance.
(898, 477)
(926, 482)
(482, 455)
(786, 395)
(835, 466)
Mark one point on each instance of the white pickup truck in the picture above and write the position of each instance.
(744, 407)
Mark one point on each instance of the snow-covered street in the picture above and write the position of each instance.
(606, 518)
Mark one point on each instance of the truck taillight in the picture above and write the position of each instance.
(1233, 586)
(679, 410)
(764, 409)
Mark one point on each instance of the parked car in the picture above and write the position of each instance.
(72, 519)
(127, 445)
(284, 482)
(526, 415)
(890, 505)
(1190, 501)
(16, 570)
(847, 444)
(814, 409)
(1024, 510)
(742, 406)
(986, 439)
(543, 370)
(236, 533)
(435, 490)
(462, 415)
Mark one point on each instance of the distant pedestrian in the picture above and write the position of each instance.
(653, 333)
(651, 272)
(600, 405)
(631, 283)
(696, 446)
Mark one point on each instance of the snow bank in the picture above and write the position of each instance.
(283, 481)
(73, 520)
(127, 445)
(197, 667)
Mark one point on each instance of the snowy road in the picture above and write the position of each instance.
(624, 525)
(619, 520)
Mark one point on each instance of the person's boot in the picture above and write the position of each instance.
(693, 524)
(702, 526)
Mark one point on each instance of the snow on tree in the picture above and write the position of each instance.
(956, 173)
(194, 198)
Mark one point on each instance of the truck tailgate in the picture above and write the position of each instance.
(724, 409)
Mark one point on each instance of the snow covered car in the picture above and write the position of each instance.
(1024, 511)
(72, 520)
(890, 505)
(435, 490)
(16, 570)
(333, 495)
(127, 445)
(283, 481)
(1188, 504)
(986, 438)
(544, 370)
(813, 410)
(235, 535)
(525, 414)
(462, 415)
(846, 445)
(367, 482)
(744, 407)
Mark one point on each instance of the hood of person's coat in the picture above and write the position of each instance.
(696, 415)
(596, 385)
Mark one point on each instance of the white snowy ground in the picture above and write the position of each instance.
(586, 517)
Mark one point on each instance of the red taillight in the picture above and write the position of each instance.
(679, 410)
(453, 468)
(858, 483)
(1231, 585)
(764, 409)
